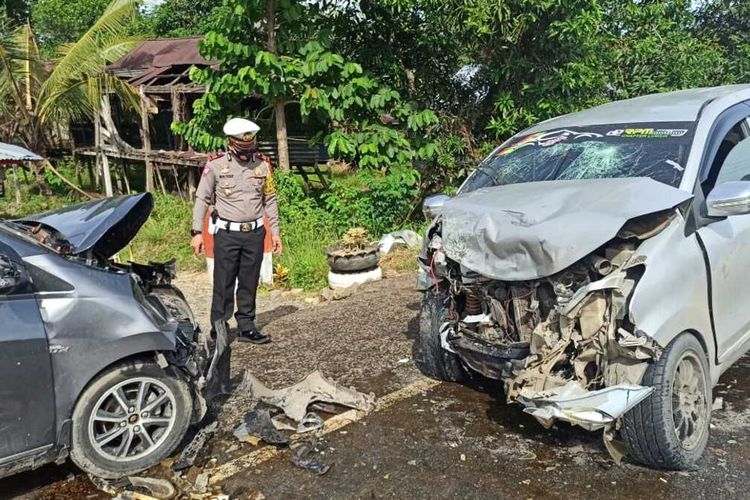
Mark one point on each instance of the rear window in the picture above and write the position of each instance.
(655, 150)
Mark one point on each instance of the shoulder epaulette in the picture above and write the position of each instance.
(215, 155)
(264, 158)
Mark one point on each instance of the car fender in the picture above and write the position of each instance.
(102, 318)
(672, 295)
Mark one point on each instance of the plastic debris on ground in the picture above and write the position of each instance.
(157, 488)
(405, 237)
(189, 454)
(303, 456)
(257, 425)
(294, 400)
(718, 404)
(311, 422)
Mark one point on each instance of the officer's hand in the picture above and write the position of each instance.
(197, 244)
(276, 244)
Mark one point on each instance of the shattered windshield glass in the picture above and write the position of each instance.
(655, 150)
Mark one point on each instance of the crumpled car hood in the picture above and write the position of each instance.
(529, 231)
(104, 226)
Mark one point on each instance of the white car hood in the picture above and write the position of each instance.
(529, 231)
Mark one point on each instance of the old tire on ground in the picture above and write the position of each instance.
(128, 419)
(429, 356)
(354, 263)
(669, 429)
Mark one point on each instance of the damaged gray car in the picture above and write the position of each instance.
(596, 266)
(100, 361)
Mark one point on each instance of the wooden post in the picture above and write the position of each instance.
(106, 172)
(92, 177)
(146, 140)
(97, 148)
(118, 177)
(16, 185)
(178, 112)
(161, 179)
(191, 183)
(124, 175)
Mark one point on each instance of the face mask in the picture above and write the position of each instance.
(243, 149)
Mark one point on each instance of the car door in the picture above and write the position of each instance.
(27, 412)
(726, 241)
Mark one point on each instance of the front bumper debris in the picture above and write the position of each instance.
(592, 410)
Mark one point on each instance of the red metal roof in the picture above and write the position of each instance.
(161, 53)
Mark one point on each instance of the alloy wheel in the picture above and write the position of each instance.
(689, 405)
(132, 419)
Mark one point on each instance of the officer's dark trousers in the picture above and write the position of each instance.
(237, 256)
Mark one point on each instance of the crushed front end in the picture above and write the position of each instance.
(193, 352)
(562, 344)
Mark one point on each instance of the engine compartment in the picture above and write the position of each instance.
(537, 336)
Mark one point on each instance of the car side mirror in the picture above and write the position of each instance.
(729, 198)
(433, 205)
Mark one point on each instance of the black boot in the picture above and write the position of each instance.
(253, 336)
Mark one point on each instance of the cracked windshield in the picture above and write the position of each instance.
(656, 150)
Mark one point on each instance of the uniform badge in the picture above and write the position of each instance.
(258, 171)
(227, 192)
(225, 169)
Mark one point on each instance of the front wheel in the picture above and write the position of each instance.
(128, 419)
(429, 355)
(669, 429)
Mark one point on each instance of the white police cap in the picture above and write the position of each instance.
(239, 128)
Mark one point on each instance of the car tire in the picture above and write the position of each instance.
(669, 429)
(429, 356)
(93, 447)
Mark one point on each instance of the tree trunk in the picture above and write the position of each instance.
(281, 137)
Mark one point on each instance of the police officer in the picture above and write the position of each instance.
(239, 185)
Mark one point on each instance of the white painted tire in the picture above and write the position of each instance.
(345, 280)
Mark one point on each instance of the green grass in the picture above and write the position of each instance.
(165, 235)
(303, 254)
(306, 229)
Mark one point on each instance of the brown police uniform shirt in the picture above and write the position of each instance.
(240, 191)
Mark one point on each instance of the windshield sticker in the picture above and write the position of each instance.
(675, 165)
(648, 133)
(546, 139)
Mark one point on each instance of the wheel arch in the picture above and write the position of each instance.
(65, 412)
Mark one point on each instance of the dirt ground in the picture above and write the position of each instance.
(446, 442)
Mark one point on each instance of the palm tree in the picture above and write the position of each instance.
(39, 98)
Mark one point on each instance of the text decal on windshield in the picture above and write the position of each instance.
(648, 133)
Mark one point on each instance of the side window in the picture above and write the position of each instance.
(721, 169)
(736, 166)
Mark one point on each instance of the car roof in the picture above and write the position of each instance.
(678, 106)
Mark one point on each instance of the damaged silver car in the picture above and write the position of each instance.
(100, 361)
(595, 265)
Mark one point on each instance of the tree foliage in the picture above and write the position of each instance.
(363, 120)
(59, 22)
(37, 99)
